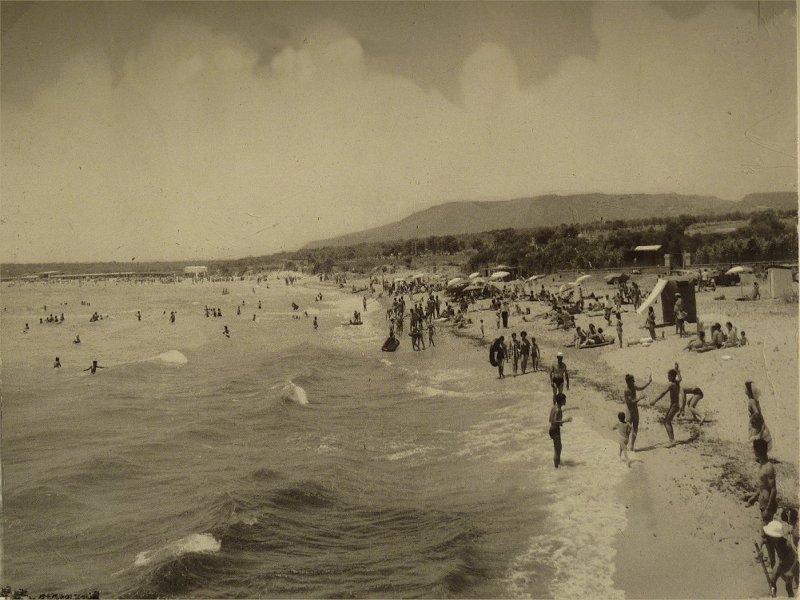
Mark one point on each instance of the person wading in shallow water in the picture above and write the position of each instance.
(556, 421)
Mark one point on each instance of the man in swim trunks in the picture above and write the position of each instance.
(695, 394)
(632, 404)
(767, 494)
(673, 389)
(559, 375)
(94, 367)
(556, 421)
(525, 350)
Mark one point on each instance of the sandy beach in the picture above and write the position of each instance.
(686, 533)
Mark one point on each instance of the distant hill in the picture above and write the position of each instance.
(455, 218)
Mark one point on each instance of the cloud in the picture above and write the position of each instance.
(164, 159)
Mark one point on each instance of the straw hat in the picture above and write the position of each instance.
(776, 529)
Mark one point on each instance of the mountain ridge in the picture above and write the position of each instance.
(474, 216)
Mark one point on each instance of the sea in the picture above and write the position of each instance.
(283, 461)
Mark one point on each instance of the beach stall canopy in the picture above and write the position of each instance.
(665, 290)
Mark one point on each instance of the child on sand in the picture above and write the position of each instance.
(742, 339)
(623, 430)
(696, 394)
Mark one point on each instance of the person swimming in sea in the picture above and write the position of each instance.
(94, 367)
(77, 340)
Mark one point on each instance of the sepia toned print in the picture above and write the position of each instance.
(255, 255)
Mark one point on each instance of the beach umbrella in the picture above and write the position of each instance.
(473, 288)
(399, 280)
(582, 278)
(534, 277)
(737, 270)
(499, 275)
(474, 275)
(418, 276)
(454, 282)
(500, 267)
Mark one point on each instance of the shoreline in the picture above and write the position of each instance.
(687, 533)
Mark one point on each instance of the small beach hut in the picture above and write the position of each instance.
(780, 282)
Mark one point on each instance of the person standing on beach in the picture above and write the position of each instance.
(619, 329)
(525, 350)
(556, 421)
(673, 389)
(497, 315)
(497, 355)
(504, 314)
(57, 364)
(535, 354)
(632, 404)
(650, 323)
(559, 375)
(753, 405)
(767, 493)
(483, 334)
(513, 351)
(623, 430)
(431, 331)
(696, 395)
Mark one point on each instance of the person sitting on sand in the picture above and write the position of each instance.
(767, 493)
(559, 375)
(700, 344)
(632, 404)
(717, 337)
(691, 395)
(623, 430)
(579, 340)
(742, 339)
(731, 336)
(94, 367)
(556, 421)
(778, 535)
(673, 389)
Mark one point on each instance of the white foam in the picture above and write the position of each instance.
(294, 393)
(202, 543)
(173, 357)
(584, 519)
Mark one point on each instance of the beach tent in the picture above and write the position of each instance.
(665, 290)
(780, 282)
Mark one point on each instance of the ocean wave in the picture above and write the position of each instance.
(305, 494)
(294, 393)
(172, 357)
(196, 543)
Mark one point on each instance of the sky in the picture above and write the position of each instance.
(182, 130)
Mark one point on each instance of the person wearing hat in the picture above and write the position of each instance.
(559, 375)
(767, 493)
(786, 566)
